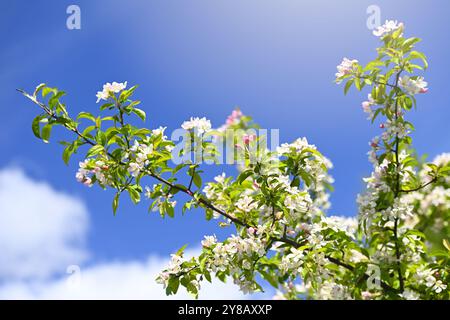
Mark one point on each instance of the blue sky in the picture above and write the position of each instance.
(274, 59)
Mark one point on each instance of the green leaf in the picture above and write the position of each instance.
(46, 91)
(135, 195)
(169, 210)
(68, 151)
(140, 113)
(197, 180)
(94, 150)
(181, 250)
(108, 105)
(419, 55)
(115, 203)
(126, 94)
(100, 138)
(348, 85)
(86, 115)
(35, 126)
(244, 175)
(172, 285)
(38, 88)
(269, 278)
(358, 84)
(377, 112)
(46, 130)
(446, 244)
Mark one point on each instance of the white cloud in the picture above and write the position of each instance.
(41, 230)
(116, 280)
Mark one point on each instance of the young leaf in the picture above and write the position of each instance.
(140, 113)
(46, 130)
(94, 150)
(35, 126)
(115, 203)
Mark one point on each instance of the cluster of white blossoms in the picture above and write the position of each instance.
(199, 125)
(295, 147)
(388, 27)
(409, 294)
(393, 128)
(374, 184)
(235, 255)
(330, 290)
(412, 86)
(215, 193)
(367, 106)
(87, 169)
(174, 268)
(317, 168)
(246, 204)
(400, 209)
(235, 252)
(347, 66)
(429, 278)
(138, 163)
(298, 201)
(292, 262)
(348, 225)
(110, 88)
(209, 241)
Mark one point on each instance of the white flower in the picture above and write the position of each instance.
(220, 178)
(346, 67)
(297, 203)
(209, 241)
(366, 105)
(200, 125)
(102, 95)
(159, 131)
(134, 169)
(110, 88)
(292, 262)
(246, 204)
(413, 86)
(388, 27)
(410, 295)
(85, 175)
(439, 286)
(297, 146)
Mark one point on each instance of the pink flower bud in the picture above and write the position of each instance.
(236, 113)
(382, 126)
(374, 145)
(248, 138)
(251, 230)
(423, 90)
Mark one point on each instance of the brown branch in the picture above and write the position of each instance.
(420, 187)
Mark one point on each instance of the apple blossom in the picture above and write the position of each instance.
(201, 125)
(346, 67)
(110, 88)
(388, 27)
